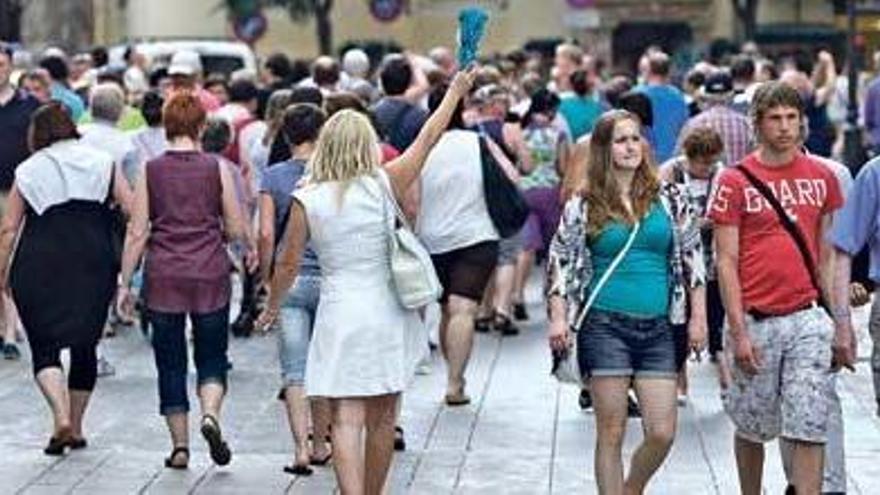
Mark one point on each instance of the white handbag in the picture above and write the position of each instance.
(565, 364)
(412, 270)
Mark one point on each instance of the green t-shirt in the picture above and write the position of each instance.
(639, 285)
(130, 120)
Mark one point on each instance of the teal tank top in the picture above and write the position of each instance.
(639, 285)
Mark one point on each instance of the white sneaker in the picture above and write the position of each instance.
(424, 367)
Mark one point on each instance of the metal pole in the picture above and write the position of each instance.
(853, 150)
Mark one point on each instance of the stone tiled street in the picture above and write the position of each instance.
(522, 434)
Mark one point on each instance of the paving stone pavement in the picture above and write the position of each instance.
(523, 433)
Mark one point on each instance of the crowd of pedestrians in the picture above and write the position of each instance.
(661, 209)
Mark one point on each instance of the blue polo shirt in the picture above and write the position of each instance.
(15, 117)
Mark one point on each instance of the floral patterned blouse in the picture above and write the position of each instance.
(570, 267)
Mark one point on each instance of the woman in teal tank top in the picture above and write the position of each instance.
(631, 245)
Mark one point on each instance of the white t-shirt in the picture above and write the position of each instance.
(453, 212)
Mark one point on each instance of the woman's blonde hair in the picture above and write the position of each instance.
(347, 148)
(602, 193)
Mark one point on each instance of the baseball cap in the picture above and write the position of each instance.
(185, 63)
(718, 84)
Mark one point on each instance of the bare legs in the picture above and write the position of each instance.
(657, 400)
(524, 263)
(79, 401)
(54, 388)
(456, 342)
(298, 406)
(362, 461)
(749, 464)
(210, 399)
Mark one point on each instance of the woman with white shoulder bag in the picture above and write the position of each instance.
(367, 336)
(622, 266)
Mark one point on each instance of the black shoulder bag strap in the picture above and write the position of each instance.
(793, 230)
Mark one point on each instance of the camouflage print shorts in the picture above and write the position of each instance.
(792, 393)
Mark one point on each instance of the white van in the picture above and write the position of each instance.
(217, 56)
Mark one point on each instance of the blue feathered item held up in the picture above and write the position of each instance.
(471, 27)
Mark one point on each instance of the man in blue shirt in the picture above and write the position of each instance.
(855, 225)
(58, 71)
(668, 104)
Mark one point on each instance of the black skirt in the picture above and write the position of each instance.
(63, 276)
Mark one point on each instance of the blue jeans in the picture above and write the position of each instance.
(210, 342)
(297, 319)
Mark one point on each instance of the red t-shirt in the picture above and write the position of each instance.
(772, 273)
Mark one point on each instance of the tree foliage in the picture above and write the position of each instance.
(298, 11)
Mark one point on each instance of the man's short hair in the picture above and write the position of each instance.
(57, 68)
(774, 94)
(107, 102)
(279, 65)
(243, 91)
(571, 52)
(216, 136)
(302, 123)
(396, 75)
(742, 68)
(658, 64)
(702, 142)
(325, 71)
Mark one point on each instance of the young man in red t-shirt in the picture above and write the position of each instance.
(780, 339)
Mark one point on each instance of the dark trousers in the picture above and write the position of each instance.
(210, 342)
(83, 365)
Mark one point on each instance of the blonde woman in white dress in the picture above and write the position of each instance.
(365, 344)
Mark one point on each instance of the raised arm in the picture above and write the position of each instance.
(404, 169)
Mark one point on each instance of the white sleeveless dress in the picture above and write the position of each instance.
(364, 343)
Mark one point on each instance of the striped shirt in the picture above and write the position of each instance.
(734, 128)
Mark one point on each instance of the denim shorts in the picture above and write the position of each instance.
(297, 319)
(615, 344)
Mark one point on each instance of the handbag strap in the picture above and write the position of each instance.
(605, 276)
(385, 184)
(792, 228)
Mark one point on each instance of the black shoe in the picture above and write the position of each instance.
(399, 440)
(483, 324)
(218, 448)
(632, 407)
(789, 490)
(519, 312)
(585, 400)
(243, 326)
(503, 324)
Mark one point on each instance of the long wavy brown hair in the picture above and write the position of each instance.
(601, 192)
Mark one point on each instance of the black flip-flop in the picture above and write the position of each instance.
(220, 453)
(321, 462)
(298, 470)
(169, 461)
(77, 443)
(56, 446)
(457, 400)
